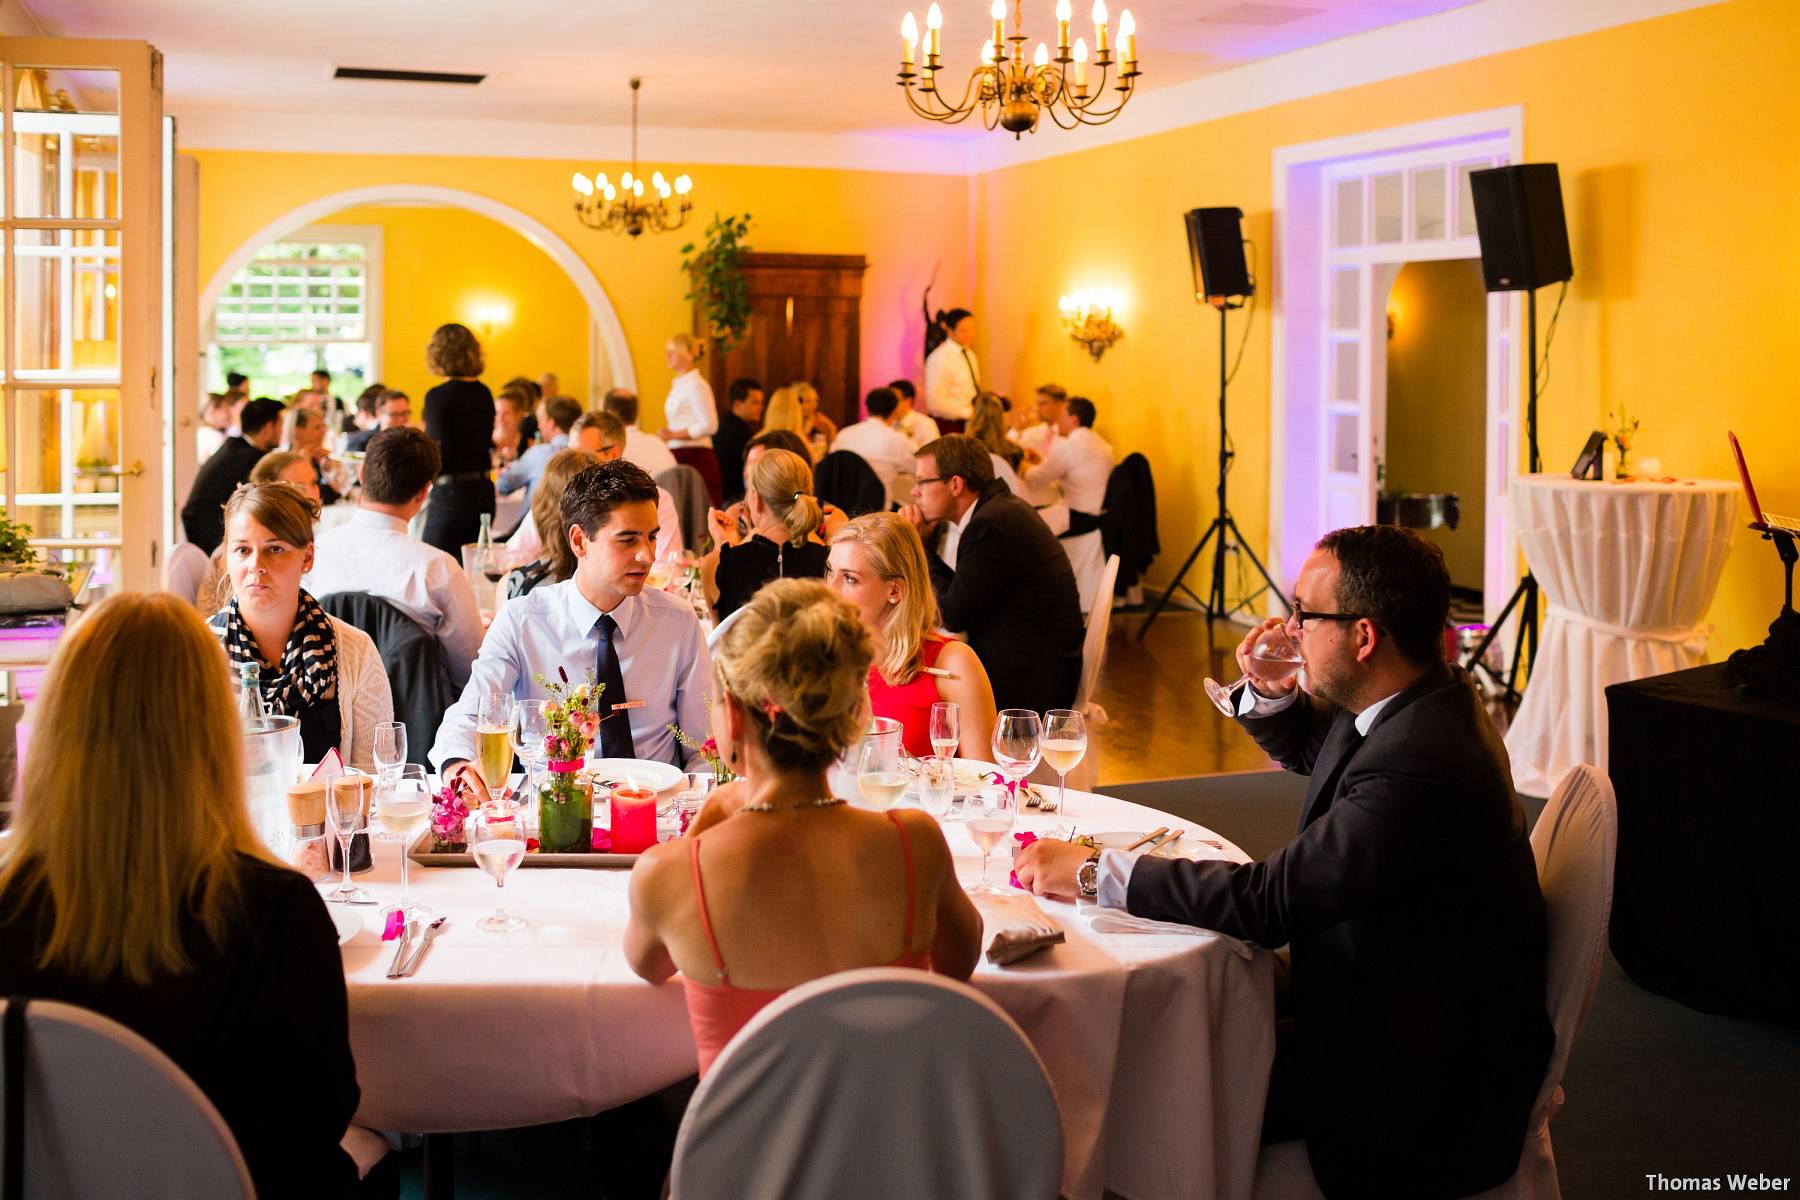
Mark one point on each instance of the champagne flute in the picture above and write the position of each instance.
(946, 728)
(1064, 745)
(498, 844)
(347, 809)
(1276, 659)
(493, 741)
(390, 756)
(529, 729)
(1015, 745)
(878, 772)
(405, 811)
(989, 815)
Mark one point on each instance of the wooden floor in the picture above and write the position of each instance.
(1161, 724)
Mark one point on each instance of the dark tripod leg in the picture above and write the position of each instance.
(1163, 601)
(1244, 545)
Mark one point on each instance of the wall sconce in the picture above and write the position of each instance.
(1089, 320)
(489, 318)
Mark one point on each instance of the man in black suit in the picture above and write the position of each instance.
(736, 428)
(1000, 575)
(203, 516)
(1415, 1038)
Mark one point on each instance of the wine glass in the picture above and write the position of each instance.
(529, 729)
(1064, 745)
(498, 844)
(493, 741)
(1276, 658)
(937, 785)
(946, 728)
(989, 815)
(405, 811)
(878, 772)
(347, 810)
(1015, 745)
(390, 756)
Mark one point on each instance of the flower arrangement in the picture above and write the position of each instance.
(448, 817)
(708, 750)
(565, 800)
(1623, 432)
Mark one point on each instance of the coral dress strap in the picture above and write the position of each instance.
(906, 850)
(706, 920)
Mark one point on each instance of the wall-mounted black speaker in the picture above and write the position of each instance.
(1519, 219)
(1216, 249)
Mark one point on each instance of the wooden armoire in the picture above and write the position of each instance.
(805, 311)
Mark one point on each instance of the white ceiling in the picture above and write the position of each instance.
(801, 66)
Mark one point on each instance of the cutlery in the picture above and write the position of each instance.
(431, 932)
(353, 903)
(1167, 840)
(1155, 833)
(406, 940)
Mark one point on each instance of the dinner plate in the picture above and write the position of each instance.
(661, 776)
(348, 920)
(1189, 845)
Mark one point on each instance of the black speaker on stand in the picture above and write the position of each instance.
(1221, 279)
(1524, 246)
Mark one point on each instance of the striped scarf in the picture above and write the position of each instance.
(308, 667)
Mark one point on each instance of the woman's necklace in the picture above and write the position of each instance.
(770, 806)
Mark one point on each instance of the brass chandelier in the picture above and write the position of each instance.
(622, 208)
(1012, 93)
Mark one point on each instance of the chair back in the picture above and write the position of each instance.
(1575, 842)
(846, 479)
(1093, 645)
(413, 658)
(108, 1114)
(687, 488)
(184, 566)
(879, 1083)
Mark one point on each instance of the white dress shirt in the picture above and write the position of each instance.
(662, 656)
(917, 428)
(1082, 462)
(952, 378)
(691, 409)
(953, 537)
(528, 543)
(647, 451)
(372, 552)
(880, 445)
(1036, 438)
(1004, 470)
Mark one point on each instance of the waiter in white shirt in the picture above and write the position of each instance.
(641, 448)
(952, 377)
(645, 646)
(690, 414)
(915, 425)
(879, 444)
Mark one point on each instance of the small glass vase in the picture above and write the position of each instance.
(1622, 468)
(566, 809)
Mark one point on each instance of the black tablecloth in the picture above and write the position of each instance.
(1706, 898)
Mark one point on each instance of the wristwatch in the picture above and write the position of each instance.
(1087, 876)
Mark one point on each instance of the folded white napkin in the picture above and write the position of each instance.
(1014, 927)
(1117, 920)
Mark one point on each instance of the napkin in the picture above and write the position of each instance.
(1117, 920)
(1014, 927)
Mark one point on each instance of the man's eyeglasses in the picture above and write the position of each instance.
(932, 479)
(1298, 617)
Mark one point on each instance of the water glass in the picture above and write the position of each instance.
(1016, 750)
(988, 815)
(937, 784)
(405, 811)
(498, 844)
(696, 786)
(946, 727)
(1063, 746)
(347, 812)
(1276, 658)
(390, 750)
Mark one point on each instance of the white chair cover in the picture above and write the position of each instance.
(1087, 557)
(108, 1114)
(184, 566)
(1575, 842)
(880, 1083)
(1093, 653)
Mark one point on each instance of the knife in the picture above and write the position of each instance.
(431, 931)
(406, 939)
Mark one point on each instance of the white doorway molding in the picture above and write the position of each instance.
(1348, 214)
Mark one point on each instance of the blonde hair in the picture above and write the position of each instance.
(279, 507)
(783, 411)
(125, 844)
(987, 425)
(797, 658)
(546, 509)
(784, 481)
(690, 345)
(453, 352)
(896, 553)
(269, 467)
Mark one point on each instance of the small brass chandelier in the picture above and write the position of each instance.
(622, 208)
(1014, 94)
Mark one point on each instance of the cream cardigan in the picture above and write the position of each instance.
(364, 698)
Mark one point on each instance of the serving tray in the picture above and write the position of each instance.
(592, 860)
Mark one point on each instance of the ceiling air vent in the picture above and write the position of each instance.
(407, 76)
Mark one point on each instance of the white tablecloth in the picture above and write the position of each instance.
(1158, 1045)
(1628, 571)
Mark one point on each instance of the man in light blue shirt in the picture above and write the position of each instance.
(664, 672)
(556, 416)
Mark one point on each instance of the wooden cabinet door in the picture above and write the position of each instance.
(805, 323)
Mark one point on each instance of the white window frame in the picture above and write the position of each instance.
(369, 237)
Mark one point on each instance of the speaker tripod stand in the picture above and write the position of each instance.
(1223, 533)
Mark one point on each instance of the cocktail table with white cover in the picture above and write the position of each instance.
(1158, 1044)
(1628, 571)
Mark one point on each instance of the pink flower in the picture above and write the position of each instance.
(1024, 840)
(710, 747)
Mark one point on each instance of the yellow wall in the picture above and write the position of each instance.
(448, 264)
(901, 223)
(1437, 399)
(1679, 176)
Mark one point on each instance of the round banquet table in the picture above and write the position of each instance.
(1628, 571)
(1158, 1044)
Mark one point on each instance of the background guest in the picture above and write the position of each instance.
(690, 414)
(736, 428)
(603, 435)
(214, 427)
(560, 415)
(317, 395)
(552, 559)
(393, 411)
(314, 667)
(1038, 438)
(373, 552)
(306, 439)
(915, 425)
(1000, 576)
(459, 417)
(548, 386)
(1081, 462)
(202, 517)
(952, 378)
(189, 935)
(878, 564)
(646, 451)
(365, 416)
(511, 408)
(277, 466)
(783, 515)
(796, 408)
(875, 440)
(863, 889)
(782, 439)
(987, 425)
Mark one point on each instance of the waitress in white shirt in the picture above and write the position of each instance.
(952, 376)
(690, 415)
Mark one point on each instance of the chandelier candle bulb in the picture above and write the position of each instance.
(1042, 57)
(934, 33)
(909, 38)
(1064, 14)
(1100, 31)
(1081, 61)
(999, 14)
(1128, 36)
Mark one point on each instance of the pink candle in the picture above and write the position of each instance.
(633, 820)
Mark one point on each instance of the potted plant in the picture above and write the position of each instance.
(15, 548)
(716, 273)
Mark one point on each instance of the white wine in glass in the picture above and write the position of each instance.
(1063, 746)
(405, 811)
(878, 775)
(946, 728)
(498, 846)
(989, 816)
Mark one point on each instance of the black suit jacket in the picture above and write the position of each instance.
(1014, 594)
(203, 516)
(729, 443)
(1411, 906)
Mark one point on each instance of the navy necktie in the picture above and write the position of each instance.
(615, 726)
